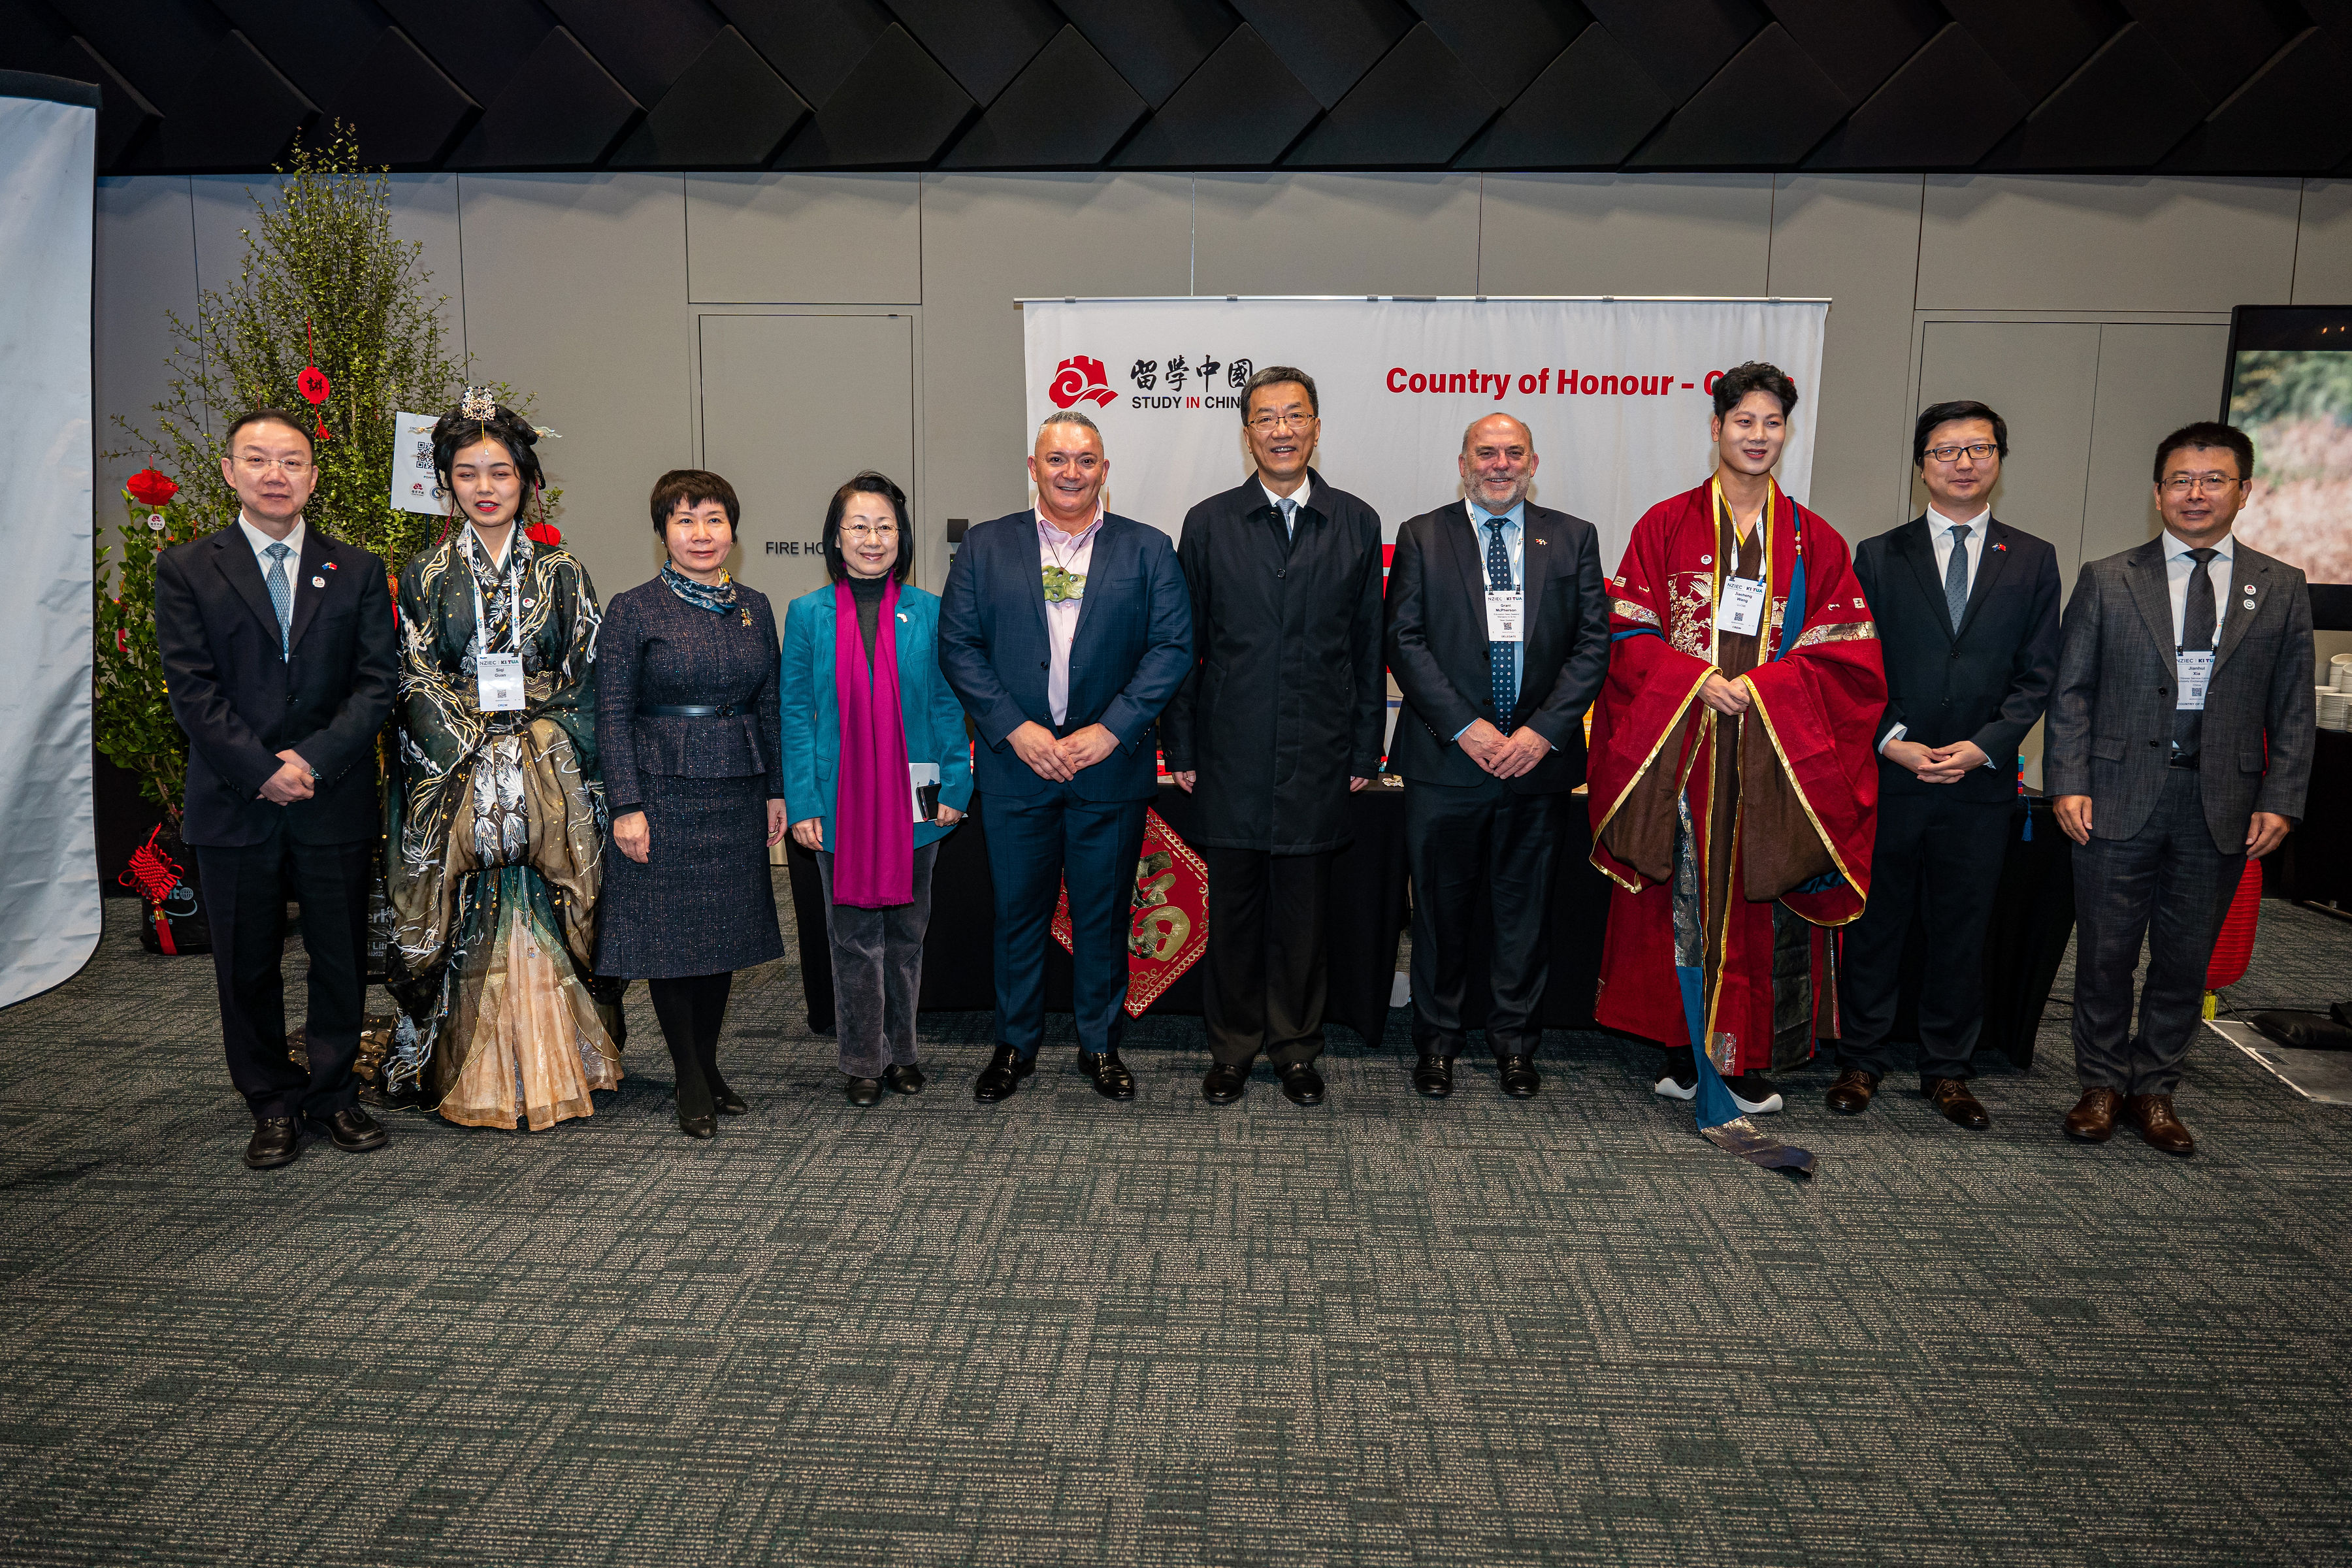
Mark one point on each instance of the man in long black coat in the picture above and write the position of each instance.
(1278, 722)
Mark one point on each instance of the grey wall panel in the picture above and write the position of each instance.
(2018, 243)
(145, 264)
(1337, 234)
(2152, 379)
(1626, 234)
(425, 212)
(2323, 250)
(576, 293)
(987, 240)
(223, 207)
(1855, 239)
(834, 239)
(787, 438)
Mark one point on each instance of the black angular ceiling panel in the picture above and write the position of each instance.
(1414, 109)
(1720, 128)
(982, 43)
(1065, 110)
(1239, 111)
(1946, 107)
(2128, 107)
(1331, 43)
(2288, 117)
(2224, 87)
(1680, 44)
(898, 110)
(726, 110)
(1588, 110)
(1154, 44)
(399, 105)
(560, 109)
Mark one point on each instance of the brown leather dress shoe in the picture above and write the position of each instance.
(2159, 1128)
(1960, 1107)
(2092, 1119)
(1850, 1095)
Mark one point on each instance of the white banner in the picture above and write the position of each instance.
(1616, 392)
(49, 855)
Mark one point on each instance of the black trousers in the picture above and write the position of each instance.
(1263, 979)
(2168, 884)
(1467, 846)
(1937, 857)
(246, 887)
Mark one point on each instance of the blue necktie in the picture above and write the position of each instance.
(1290, 515)
(1502, 657)
(281, 595)
(1956, 577)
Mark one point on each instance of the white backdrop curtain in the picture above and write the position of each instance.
(48, 850)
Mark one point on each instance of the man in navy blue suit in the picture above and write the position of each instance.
(1065, 629)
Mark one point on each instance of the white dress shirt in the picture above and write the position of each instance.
(1074, 554)
(1939, 534)
(2177, 568)
(1298, 496)
(293, 541)
(1514, 521)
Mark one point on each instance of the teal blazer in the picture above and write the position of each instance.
(812, 714)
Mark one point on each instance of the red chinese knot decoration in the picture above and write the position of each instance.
(149, 486)
(312, 383)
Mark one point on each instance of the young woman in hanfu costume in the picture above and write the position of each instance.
(496, 819)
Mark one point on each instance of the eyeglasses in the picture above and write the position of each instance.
(1270, 422)
(259, 466)
(1978, 451)
(2189, 484)
(861, 534)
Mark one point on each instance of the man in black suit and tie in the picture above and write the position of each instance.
(280, 653)
(2181, 742)
(1498, 637)
(1967, 609)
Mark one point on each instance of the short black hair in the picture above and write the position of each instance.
(1754, 376)
(1936, 413)
(1277, 375)
(2207, 433)
(456, 430)
(868, 483)
(692, 485)
(267, 416)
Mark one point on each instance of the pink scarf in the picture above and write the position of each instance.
(874, 805)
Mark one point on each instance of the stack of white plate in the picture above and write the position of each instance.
(2332, 708)
(2340, 669)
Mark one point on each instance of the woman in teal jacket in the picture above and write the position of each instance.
(877, 769)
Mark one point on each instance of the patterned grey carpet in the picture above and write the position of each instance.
(1060, 1331)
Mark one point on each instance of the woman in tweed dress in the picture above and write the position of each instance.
(687, 726)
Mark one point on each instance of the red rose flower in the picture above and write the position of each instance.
(543, 533)
(149, 488)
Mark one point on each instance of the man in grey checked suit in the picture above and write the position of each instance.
(2180, 739)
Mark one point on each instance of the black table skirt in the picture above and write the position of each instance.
(2033, 915)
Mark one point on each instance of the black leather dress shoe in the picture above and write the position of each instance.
(1301, 1084)
(1960, 1107)
(728, 1102)
(698, 1126)
(1002, 1076)
(275, 1142)
(1516, 1076)
(353, 1130)
(1111, 1080)
(1434, 1076)
(907, 1079)
(409, 1098)
(1224, 1084)
(863, 1090)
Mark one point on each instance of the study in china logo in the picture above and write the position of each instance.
(1078, 379)
(1083, 379)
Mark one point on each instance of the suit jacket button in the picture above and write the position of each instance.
(1045, 664)
(2156, 743)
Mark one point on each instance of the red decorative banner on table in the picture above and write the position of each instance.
(1171, 929)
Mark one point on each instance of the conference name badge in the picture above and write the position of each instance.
(498, 678)
(1504, 614)
(1743, 607)
(2196, 672)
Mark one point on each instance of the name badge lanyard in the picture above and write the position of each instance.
(482, 655)
(1724, 573)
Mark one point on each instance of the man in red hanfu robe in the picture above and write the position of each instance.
(1734, 787)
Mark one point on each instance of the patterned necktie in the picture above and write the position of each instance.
(1501, 657)
(282, 595)
(2196, 632)
(1290, 516)
(1956, 577)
